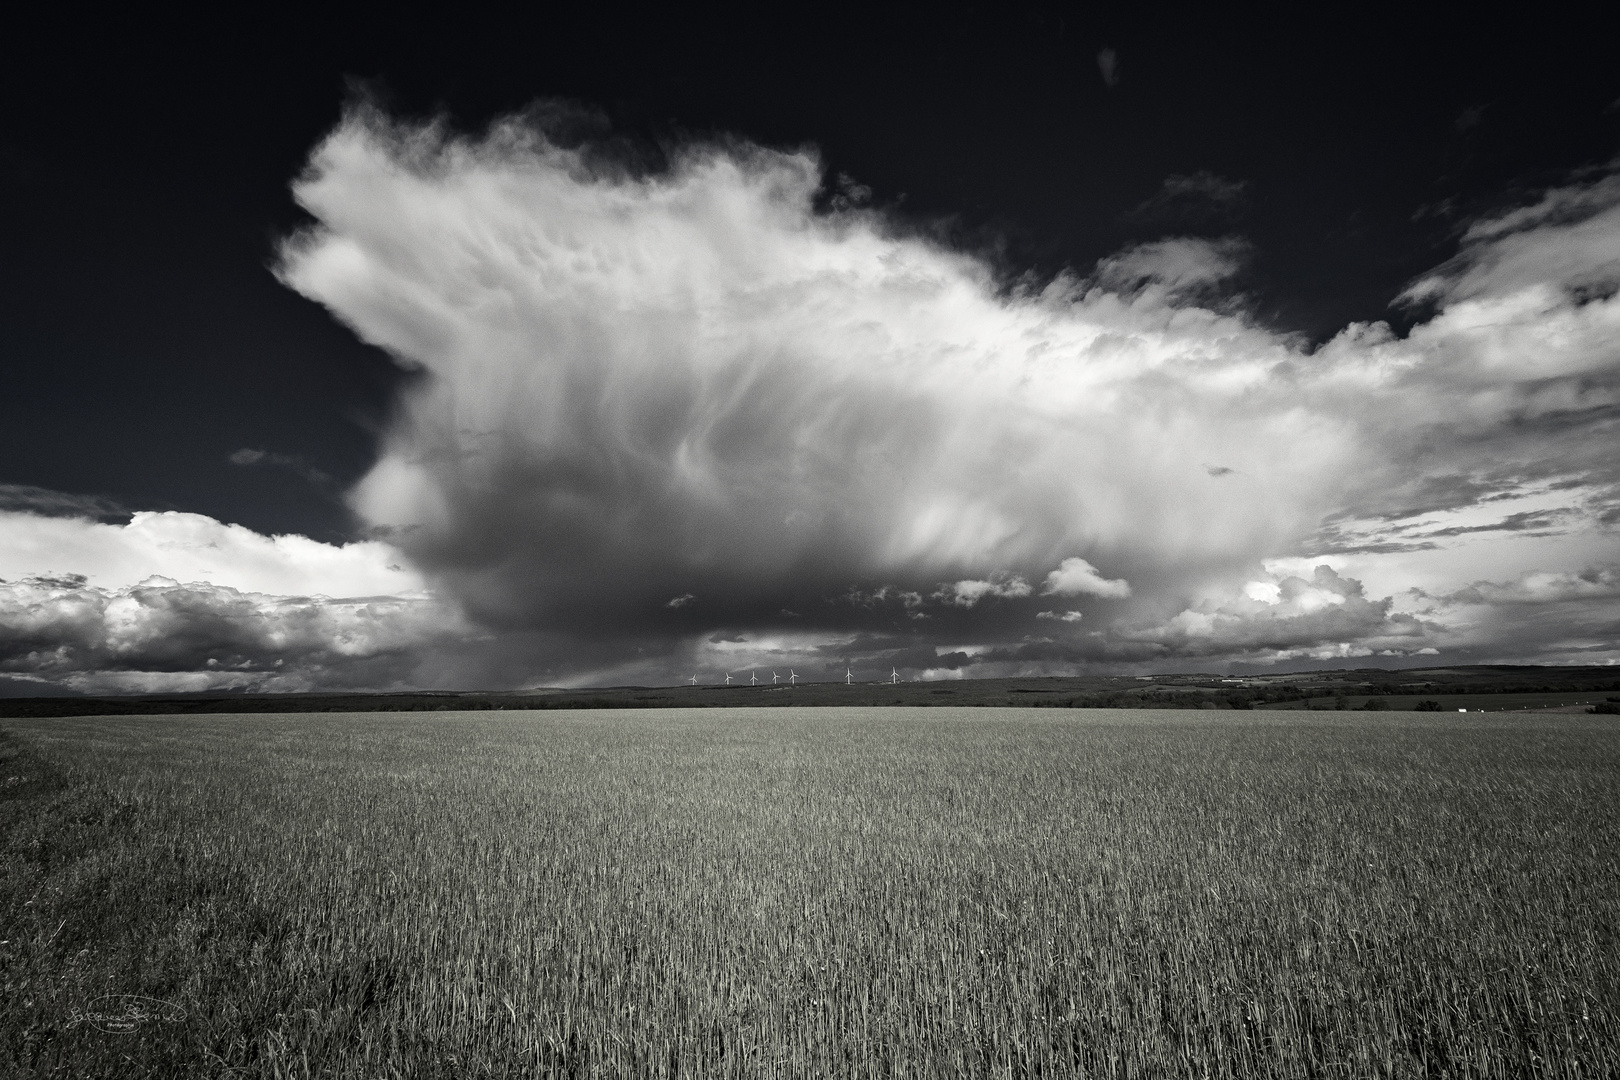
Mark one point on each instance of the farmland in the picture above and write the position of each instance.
(1490, 687)
(811, 892)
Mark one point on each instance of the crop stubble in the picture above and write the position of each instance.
(853, 892)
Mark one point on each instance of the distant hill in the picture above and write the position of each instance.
(1321, 689)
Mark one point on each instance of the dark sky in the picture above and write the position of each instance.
(146, 162)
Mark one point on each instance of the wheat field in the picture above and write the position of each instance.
(792, 893)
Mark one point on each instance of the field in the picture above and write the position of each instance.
(811, 892)
(1453, 702)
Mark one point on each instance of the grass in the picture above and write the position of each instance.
(780, 892)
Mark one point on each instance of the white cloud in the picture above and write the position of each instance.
(696, 378)
(968, 593)
(1540, 587)
(1174, 266)
(1320, 616)
(160, 634)
(1076, 577)
(1065, 616)
(192, 547)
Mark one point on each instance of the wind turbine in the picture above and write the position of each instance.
(694, 678)
(894, 675)
(753, 680)
(793, 676)
(849, 678)
(774, 676)
(728, 678)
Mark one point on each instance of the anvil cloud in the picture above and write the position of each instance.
(696, 383)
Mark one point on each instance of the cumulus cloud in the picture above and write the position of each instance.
(1076, 577)
(193, 547)
(161, 635)
(1571, 616)
(1323, 616)
(1539, 587)
(640, 385)
(172, 601)
(968, 593)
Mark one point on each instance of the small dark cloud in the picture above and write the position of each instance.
(1108, 67)
(1441, 208)
(1203, 184)
(850, 194)
(1377, 547)
(1219, 470)
(248, 457)
(27, 499)
(1521, 522)
(1471, 117)
(1193, 200)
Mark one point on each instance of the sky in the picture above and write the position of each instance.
(347, 353)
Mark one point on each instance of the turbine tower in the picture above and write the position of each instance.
(774, 676)
(694, 678)
(793, 677)
(849, 678)
(753, 680)
(728, 678)
(894, 675)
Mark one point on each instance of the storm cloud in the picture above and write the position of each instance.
(693, 382)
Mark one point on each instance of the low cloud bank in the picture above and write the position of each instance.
(81, 608)
(161, 635)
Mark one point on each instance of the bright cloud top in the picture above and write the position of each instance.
(1076, 577)
(694, 383)
(192, 547)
